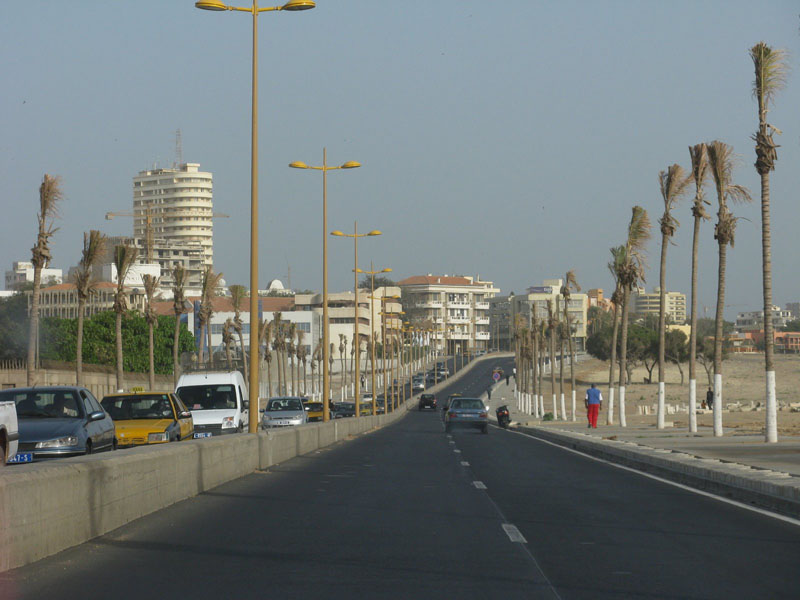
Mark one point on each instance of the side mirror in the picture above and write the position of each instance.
(185, 414)
(261, 410)
(98, 415)
(246, 404)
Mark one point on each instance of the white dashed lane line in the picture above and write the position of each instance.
(514, 534)
(464, 463)
(479, 485)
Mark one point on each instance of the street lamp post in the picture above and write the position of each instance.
(326, 375)
(356, 336)
(291, 5)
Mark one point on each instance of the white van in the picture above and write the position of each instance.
(218, 402)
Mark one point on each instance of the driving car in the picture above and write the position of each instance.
(148, 418)
(427, 401)
(284, 411)
(314, 410)
(466, 412)
(447, 403)
(57, 421)
(418, 384)
(340, 410)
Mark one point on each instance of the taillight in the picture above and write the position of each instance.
(451, 414)
(482, 415)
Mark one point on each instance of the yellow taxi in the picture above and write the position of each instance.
(313, 410)
(142, 417)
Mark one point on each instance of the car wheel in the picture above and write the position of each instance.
(178, 437)
(240, 428)
(88, 446)
(114, 444)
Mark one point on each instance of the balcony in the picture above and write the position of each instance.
(482, 306)
(482, 321)
(482, 335)
(428, 305)
(458, 304)
(459, 320)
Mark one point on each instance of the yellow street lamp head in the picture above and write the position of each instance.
(351, 164)
(387, 270)
(210, 5)
(375, 232)
(298, 164)
(298, 5)
(338, 233)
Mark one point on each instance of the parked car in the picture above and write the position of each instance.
(285, 411)
(427, 401)
(9, 431)
(314, 410)
(218, 402)
(365, 407)
(59, 421)
(148, 418)
(341, 410)
(466, 412)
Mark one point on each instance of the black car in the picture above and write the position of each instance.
(340, 410)
(427, 401)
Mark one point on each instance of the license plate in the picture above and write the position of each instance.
(204, 434)
(24, 457)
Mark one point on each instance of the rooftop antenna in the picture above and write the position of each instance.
(178, 149)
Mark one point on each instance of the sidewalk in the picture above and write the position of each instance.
(739, 466)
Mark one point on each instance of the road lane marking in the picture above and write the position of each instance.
(514, 534)
(464, 463)
(457, 451)
(452, 441)
(479, 485)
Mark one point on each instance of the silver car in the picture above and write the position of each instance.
(285, 411)
(466, 412)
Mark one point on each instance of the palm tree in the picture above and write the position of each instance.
(535, 332)
(150, 288)
(316, 357)
(278, 343)
(300, 350)
(673, 183)
(615, 266)
(771, 70)
(209, 287)
(227, 340)
(49, 196)
(124, 257)
(570, 283)
(720, 163)
(343, 358)
(542, 350)
(289, 348)
(179, 277)
(562, 335)
(699, 159)
(552, 324)
(264, 341)
(238, 293)
(631, 273)
(85, 284)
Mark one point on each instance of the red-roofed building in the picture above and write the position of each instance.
(62, 300)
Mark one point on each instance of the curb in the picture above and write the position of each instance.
(771, 490)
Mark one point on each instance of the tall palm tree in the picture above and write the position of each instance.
(179, 277)
(343, 358)
(227, 341)
(278, 342)
(124, 257)
(631, 274)
(238, 293)
(672, 183)
(289, 348)
(542, 350)
(562, 335)
(316, 357)
(615, 266)
(264, 341)
(570, 283)
(697, 153)
(49, 196)
(300, 351)
(150, 288)
(552, 325)
(720, 164)
(535, 333)
(770, 76)
(209, 287)
(85, 283)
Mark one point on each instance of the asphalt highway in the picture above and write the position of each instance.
(410, 512)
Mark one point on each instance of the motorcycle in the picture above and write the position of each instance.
(503, 416)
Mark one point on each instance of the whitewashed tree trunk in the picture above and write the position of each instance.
(573, 406)
(555, 407)
(563, 407)
(536, 406)
(622, 420)
(693, 405)
(660, 418)
(610, 413)
(541, 404)
(771, 434)
(718, 405)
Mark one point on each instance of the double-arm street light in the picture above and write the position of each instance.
(291, 5)
(326, 375)
(356, 335)
(372, 272)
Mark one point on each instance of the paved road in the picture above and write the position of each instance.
(397, 514)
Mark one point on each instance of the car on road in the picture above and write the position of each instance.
(284, 411)
(427, 401)
(9, 431)
(341, 410)
(418, 384)
(142, 418)
(218, 401)
(447, 403)
(314, 410)
(56, 421)
(380, 405)
(468, 413)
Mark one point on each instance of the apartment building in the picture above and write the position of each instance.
(455, 309)
(754, 320)
(642, 303)
(62, 300)
(22, 272)
(534, 303)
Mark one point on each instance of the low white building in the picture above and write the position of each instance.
(754, 320)
(22, 272)
(534, 302)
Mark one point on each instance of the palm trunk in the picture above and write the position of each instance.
(152, 370)
(662, 324)
(723, 261)
(210, 347)
(553, 372)
(79, 344)
(610, 413)
(118, 330)
(771, 424)
(33, 332)
(623, 357)
(244, 355)
(561, 378)
(269, 378)
(285, 381)
(175, 345)
(572, 372)
(693, 332)
(201, 356)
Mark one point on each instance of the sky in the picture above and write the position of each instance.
(506, 139)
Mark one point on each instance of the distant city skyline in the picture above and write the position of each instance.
(507, 144)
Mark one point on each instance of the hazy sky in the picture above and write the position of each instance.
(506, 139)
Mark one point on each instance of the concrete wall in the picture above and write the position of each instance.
(98, 383)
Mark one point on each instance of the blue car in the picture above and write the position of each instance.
(59, 421)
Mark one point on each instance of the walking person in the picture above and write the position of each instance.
(710, 399)
(594, 404)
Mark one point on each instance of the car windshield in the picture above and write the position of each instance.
(345, 406)
(45, 403)
(314, 406)
(468, 403)
(277, 404)
(208, 397)
(138, 406)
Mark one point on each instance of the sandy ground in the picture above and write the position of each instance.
(743, 382)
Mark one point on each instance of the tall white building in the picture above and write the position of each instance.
(179, 206)
(534, 303)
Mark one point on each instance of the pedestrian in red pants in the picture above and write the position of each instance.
(593, 403)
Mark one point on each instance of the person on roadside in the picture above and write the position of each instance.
(594, 404)
(489, 392)
(710, 399)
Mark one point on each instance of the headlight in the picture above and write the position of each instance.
(162, 436)
(69, 440)
(265, 418)
(227, 423)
